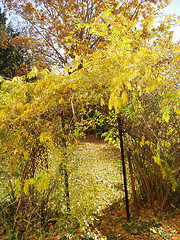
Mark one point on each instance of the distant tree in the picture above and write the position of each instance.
(11, 55)
(57, 30)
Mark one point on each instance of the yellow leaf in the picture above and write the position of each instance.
(26, 155)
(18, 186)
(128, 85)
(28, 182)
(157, 159)
(106, 14)
(166, 144)
(1, 79)
(3, 115)
(42, 181)
(46, 138)
(166, 115)
(142, 142)
(124, 97)
(176, 110)
(74, 86)
(38, 88)
(115, 101)
(47, 123)
(148, 143)
(99, 85)
(61, 100)
(33, 73)
(178, 21)
(102, 102)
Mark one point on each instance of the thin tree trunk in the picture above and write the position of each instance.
(135, 199)
(67, 195)
(120, 129)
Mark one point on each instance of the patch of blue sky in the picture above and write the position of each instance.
(174, 8)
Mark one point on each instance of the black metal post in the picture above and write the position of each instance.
(120, 129)
(65, 171)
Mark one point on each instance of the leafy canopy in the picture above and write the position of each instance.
(52, 31)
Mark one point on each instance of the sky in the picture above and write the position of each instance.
(174, 8)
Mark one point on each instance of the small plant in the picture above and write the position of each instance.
(137, 227)
(160, 233)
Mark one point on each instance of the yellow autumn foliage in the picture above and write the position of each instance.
(27, 184)
(42, 181)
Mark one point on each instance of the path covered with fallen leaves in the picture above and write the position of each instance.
(97, 179)
(97, 187)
